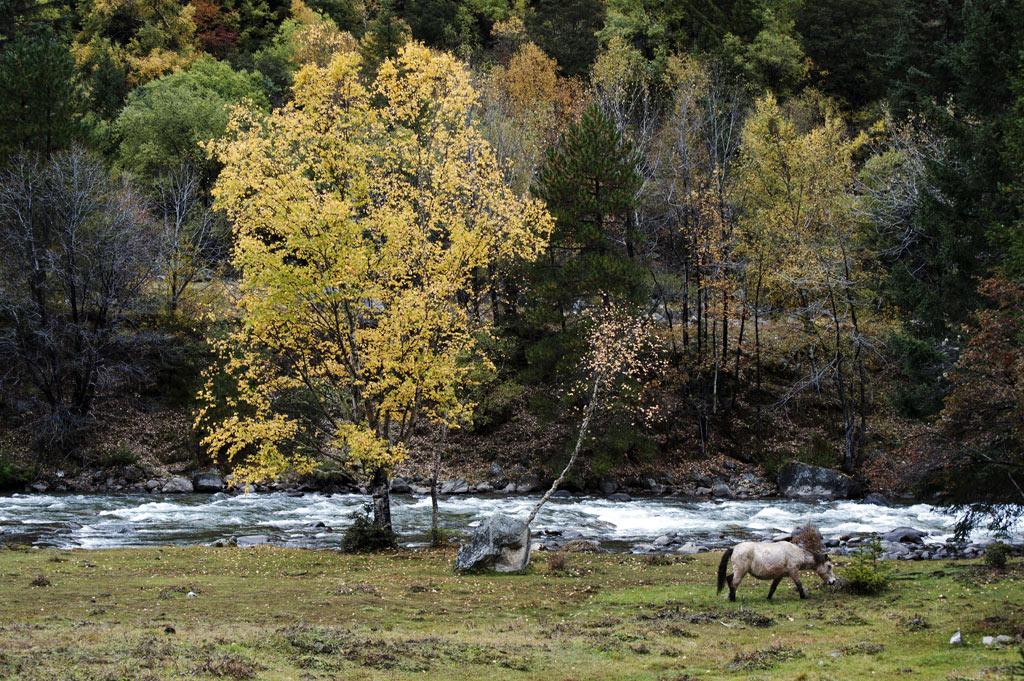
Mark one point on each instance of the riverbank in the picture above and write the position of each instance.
(276, 614)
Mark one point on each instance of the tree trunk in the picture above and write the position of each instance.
(587, 414)
(381, 492)
(433, 485)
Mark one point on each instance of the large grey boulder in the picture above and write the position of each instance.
(500, 543)
(802, 481)
(207, 482)
(178, 486)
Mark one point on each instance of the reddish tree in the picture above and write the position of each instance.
(215, 28)
(974, 456)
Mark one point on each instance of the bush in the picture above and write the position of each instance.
(13, 475)
(867, 574)
(557, 561)
(440, 537)
(362, 536)
(119, 457)
(996, 555)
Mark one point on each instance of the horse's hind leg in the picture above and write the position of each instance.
(734, 582)
(775, 583)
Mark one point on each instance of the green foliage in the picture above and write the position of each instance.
(118, 457)
(165, 121)
(996, 555)
(868, 575)
(923, 365)
(40, 96)
(846, 43)
(12, 474)
(363, 536)
(589, 183)
(439, 537)
(566, 30)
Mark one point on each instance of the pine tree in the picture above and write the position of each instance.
(589, 182)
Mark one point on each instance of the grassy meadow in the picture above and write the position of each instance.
(271, 613)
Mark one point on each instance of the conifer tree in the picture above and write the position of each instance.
(589, 182)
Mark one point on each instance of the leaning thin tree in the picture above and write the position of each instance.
(361, 214)
(622, 357)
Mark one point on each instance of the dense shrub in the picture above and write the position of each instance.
(12, 475)
(867, 574)
(362, 536)
(996, 555)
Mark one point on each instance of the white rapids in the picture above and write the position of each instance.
(317, 521)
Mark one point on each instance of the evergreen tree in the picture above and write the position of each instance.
(589, 182)
(39, 95)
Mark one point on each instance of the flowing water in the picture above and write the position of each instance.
(120, 520)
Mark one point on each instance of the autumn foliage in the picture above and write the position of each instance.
(361, 215)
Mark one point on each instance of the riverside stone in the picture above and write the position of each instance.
(500, 543)
(802, 481)
(207, 482)
(178, 485)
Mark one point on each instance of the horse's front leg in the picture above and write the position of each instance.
(775, 583)
(799, 586)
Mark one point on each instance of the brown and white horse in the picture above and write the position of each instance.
(772, 560)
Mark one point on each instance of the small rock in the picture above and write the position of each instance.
(39, 487)
(688, 547)
(509, 488)
(988, 640)
(703, 491)
(663, 540)
(190, 594)
(400, 486)
(483, 488)
(527, 484)
(1003, 638)
(619, 496)
(455, 487)
(876, 499)
(956, 639)
(562, 494)
(608, 487)
(252, 540)
(495, 470)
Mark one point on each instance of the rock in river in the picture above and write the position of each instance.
(802, 481)
(178, 485)
(499, 543)
(207, 482)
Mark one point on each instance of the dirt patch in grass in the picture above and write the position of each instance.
(863, 648)
(322, 648)
(230, 665)
(765, 658)
(679, 613)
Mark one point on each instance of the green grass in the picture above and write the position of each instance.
(269, 613)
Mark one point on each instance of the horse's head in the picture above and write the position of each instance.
(823, 566)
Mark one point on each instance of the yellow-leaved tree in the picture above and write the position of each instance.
(361, 214)
(805, 260)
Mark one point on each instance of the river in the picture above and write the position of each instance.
(121, 520)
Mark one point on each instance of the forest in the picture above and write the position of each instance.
(333, 237)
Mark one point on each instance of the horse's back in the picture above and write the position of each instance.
(769, 559)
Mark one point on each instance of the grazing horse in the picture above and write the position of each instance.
(772, 560)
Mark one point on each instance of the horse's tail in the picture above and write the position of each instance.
(722, 567)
